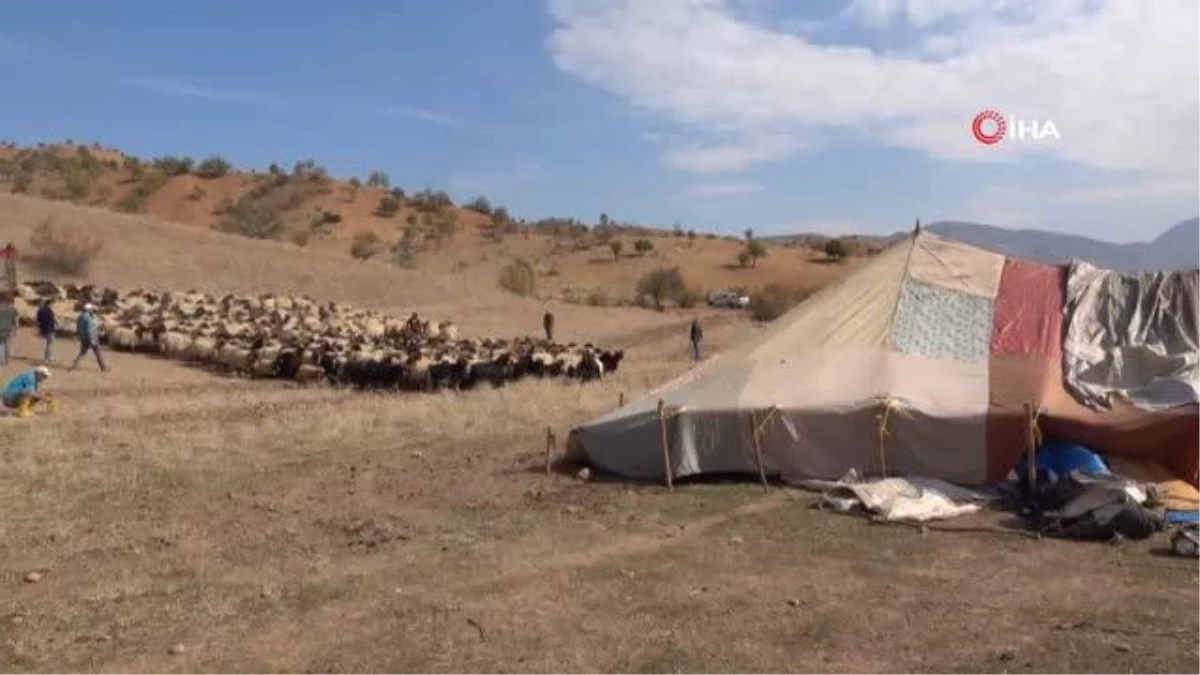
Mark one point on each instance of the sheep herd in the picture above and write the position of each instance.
(300, 339)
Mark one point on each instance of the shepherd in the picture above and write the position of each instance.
(89, 337)
(548, 325)
(697, 334)
(22, 392)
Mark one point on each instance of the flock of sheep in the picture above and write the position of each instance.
(298, 338)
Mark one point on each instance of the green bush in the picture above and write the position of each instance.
(479, 205)
(661, 285)
(388, 206)
(836, 250)
(252, 219)
(64, 250)
(518, 277)
(379, 180)
(643, 246)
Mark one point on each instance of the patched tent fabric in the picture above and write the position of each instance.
(921, 363)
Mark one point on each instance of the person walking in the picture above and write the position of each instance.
(21, 392)
(8, 326)
(697, 334)
(47, 323)
(548, 325)
(89, 337)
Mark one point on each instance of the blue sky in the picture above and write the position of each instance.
(718, 114)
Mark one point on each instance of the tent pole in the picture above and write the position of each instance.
(762, 474)
(1031, 444)
(549, 448)
(662, 425)
(882, 432)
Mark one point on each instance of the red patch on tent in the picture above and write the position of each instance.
(1027, 316)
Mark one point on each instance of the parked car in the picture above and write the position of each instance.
(730, 299)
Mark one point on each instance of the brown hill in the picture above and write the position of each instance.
(424, 230)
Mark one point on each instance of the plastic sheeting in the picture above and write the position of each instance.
(1133, 335)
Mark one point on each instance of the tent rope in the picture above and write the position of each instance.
(883, 433)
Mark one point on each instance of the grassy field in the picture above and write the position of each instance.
(181, 521)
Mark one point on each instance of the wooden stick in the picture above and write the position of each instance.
(882, 421)
(549, 447)
(662, 424)
(770, 413)
(1031, 446)
(762, 474)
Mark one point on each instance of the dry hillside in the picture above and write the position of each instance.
(421, 229)
(167, 519)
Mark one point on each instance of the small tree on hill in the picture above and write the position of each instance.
(756, 250)
(836, 250)
(404, 251)
(213, 167)
(444, 227)
(388, 206)
(479, 205)
(379, 180)
(616, 245)
(662, 284)
(643, 246)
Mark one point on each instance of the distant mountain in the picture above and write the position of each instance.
(1176, 248)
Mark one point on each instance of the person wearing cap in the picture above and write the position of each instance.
(22, 391)
(89, 337)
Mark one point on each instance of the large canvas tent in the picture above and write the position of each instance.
(924, 363)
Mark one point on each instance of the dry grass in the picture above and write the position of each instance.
(268, 528)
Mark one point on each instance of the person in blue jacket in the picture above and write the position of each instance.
(47, 323)
(89, 337)
(21, 392)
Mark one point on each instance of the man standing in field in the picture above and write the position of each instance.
(89, 337)
(21, 392)
(697, 334)
(47, 324)
(8, 326)
(548, 325)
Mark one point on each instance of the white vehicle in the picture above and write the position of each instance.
(730, 299)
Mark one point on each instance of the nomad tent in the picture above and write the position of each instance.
(934, 359)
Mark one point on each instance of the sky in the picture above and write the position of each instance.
(780, 115)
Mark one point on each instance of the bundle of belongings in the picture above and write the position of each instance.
(1077, 495)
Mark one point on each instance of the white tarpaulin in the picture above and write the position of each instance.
(911, 499)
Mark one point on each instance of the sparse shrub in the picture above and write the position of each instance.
(213, 167)
(252, 219)
(643, 246)
(171, 165)
(597, 298)
(711, 235)
(755, 250)
(404, 251)
(380, 181)
(677, 231)
(691, 236)
(22, 181)
(301, 237)
(836, 250)
(689, 298)
(445, 225)
(661, 285)
(479, 205)
(365, 245)
(518, 277)
(354, 182)
(428, 200)
(388, 206)
(616, 245)
(773, 300)
(77, 182)
(64, 250)
(743, 258)
(398, 193)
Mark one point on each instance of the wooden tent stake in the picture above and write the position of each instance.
(1032, 431)
(762, 474)
(549, 447)
(662, 424)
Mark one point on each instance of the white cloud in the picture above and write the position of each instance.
(728, 156)
(1118, 78)
(180, 89)
(423, 115)
(718, 190)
